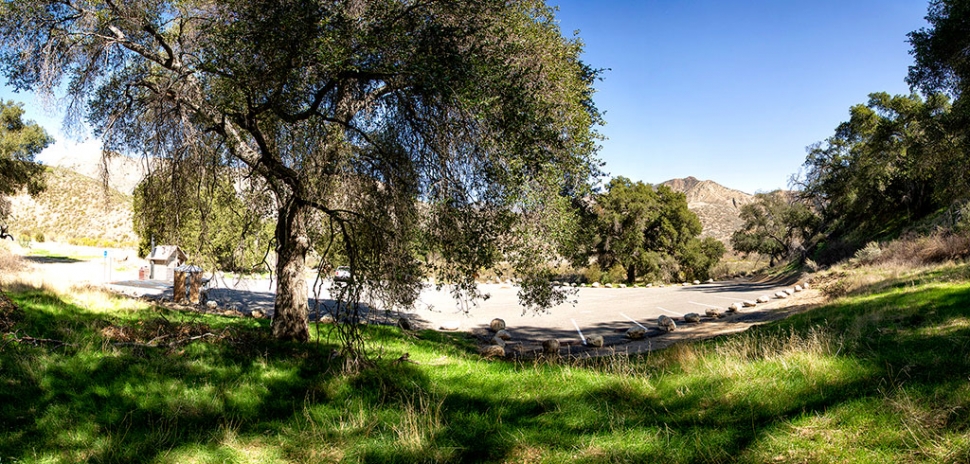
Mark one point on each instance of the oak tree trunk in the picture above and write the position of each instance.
(291, 308)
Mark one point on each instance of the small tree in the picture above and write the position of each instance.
(623, 212)
(20, 142)
(775, 225)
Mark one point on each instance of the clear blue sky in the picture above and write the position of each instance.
(727, 90)
(734, 91)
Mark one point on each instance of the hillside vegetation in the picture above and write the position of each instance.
(73, 209)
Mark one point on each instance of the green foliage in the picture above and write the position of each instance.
(455, 129)
(650, 232)
(899, 160)
(873, 378)
(217, 226)
(20, 141)
(776, 224)
(941, 63)
(894, 163)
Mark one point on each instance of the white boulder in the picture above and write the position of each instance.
(450, 325)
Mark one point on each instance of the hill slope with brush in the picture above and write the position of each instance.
(73, 209)
(715, 205)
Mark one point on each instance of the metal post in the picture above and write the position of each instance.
(151, 263)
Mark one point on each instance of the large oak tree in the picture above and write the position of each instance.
(448, 127)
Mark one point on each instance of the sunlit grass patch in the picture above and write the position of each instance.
(878, 378)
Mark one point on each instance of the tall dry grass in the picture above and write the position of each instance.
(916, 251)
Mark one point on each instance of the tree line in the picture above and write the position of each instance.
(898, 165)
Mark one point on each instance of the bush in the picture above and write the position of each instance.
(593, 273)
(868, 254)
(615, 275)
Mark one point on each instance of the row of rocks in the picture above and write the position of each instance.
(500, 334)
(650, 285)
(667, 323)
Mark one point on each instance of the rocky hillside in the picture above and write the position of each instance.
(124, 173)
(716, 205)
(73, 209)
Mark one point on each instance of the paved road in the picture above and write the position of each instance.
(600, 311)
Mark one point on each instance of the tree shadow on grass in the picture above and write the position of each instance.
(94, 401)
(52, 259)
(87, 398)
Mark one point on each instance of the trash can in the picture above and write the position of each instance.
(143, 273)
(191, 277)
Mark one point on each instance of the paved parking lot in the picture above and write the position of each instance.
(594, 311)
(597, 311)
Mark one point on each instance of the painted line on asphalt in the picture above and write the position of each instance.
(703, 304)
(669, 311)
(580, 331)
(633, 321)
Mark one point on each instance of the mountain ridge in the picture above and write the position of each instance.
(718, 207)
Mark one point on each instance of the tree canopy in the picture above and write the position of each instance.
(900, 160)
(392, 124)
(776, 225)
(650, 232)
(20, 142)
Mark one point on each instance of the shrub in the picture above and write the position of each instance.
(868, 254)
(593, 273)
(615, 274)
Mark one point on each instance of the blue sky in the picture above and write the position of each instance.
(734, 91)
(731, 91)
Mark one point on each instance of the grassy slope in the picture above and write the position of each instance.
(76, 209)
(870, 378)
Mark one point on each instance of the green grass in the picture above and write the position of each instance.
(870, 378)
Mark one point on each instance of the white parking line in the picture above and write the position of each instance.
(703, 304)
(671, 312)
(633, 321)
(580, 331)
